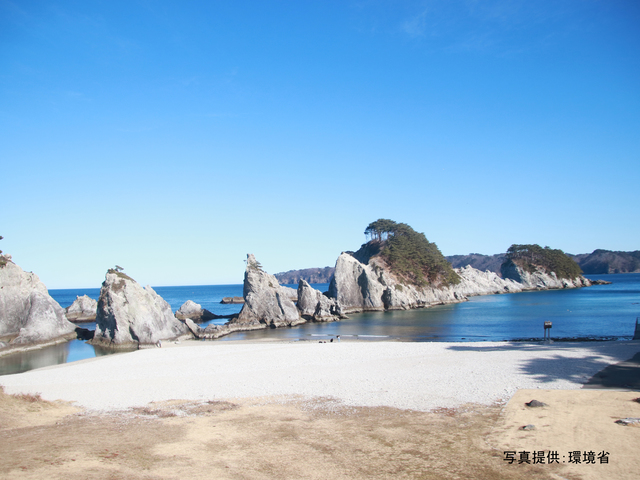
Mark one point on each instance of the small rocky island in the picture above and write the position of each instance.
(400, 269)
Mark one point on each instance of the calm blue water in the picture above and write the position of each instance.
(595, 312)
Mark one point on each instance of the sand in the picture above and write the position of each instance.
(417, 376)
(334, 410)
(577, 421)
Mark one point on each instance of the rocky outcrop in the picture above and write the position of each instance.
(129, 315)
(360, 287)
(315, 306)
(269, 304)
(292, 293)
(356, 286)
(266, 303)
(195, 312)
(83, 309)
(211, 332)
(371, 286)
(474, 282)
(28, 315)
(230, 300)
(540, 279)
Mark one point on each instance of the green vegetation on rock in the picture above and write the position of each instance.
(410, 255)
(3, 261)
(530, 257)
(255, 265)
(120, 274)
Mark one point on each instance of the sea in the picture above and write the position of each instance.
(600, 312)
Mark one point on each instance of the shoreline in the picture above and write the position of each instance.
(408, 375)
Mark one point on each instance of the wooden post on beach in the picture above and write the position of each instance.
(547, 328)
(636, 335)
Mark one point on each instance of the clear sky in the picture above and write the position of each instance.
(173, 138)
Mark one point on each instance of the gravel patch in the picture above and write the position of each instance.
(417, 376)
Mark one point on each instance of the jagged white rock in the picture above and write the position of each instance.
(313, 305)
(266, 303)
(356, 286)
(83, 309)
(540, 279)
(27, 312)
(362, 287)
(194, 311)
(475, 282)
(129, 315)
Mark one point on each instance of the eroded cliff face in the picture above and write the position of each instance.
(356, 286)
(28, 315)
(360, 287)
(131, 316)
(266, 303)
(475, 282)
(540, 279)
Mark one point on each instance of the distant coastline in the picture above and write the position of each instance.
(598, 262)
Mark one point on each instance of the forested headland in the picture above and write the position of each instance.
(409, 254)
(531, 257)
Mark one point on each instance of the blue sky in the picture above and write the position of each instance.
(173, 138)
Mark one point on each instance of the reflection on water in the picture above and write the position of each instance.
(43, 357)
(52, 355)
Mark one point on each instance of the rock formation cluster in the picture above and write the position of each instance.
(540, 279)
(369, 285)
(315, 306)
(266, 302)
(129, 316)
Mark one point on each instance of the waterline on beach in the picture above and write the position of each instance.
(598, 312)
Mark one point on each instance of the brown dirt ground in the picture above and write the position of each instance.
(252, 439)
(575, 421)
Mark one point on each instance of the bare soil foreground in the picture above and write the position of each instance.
(318, 437)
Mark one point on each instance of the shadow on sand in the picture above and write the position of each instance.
(625, 375)
(578, 369)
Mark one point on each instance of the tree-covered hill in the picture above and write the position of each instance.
(311, 275)
(409, 254)
(531, 257)
(478, 261)
(598, 262)
(607, 261)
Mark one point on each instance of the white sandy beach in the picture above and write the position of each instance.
(417, 376)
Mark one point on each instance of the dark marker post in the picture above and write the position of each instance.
(547, 328)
